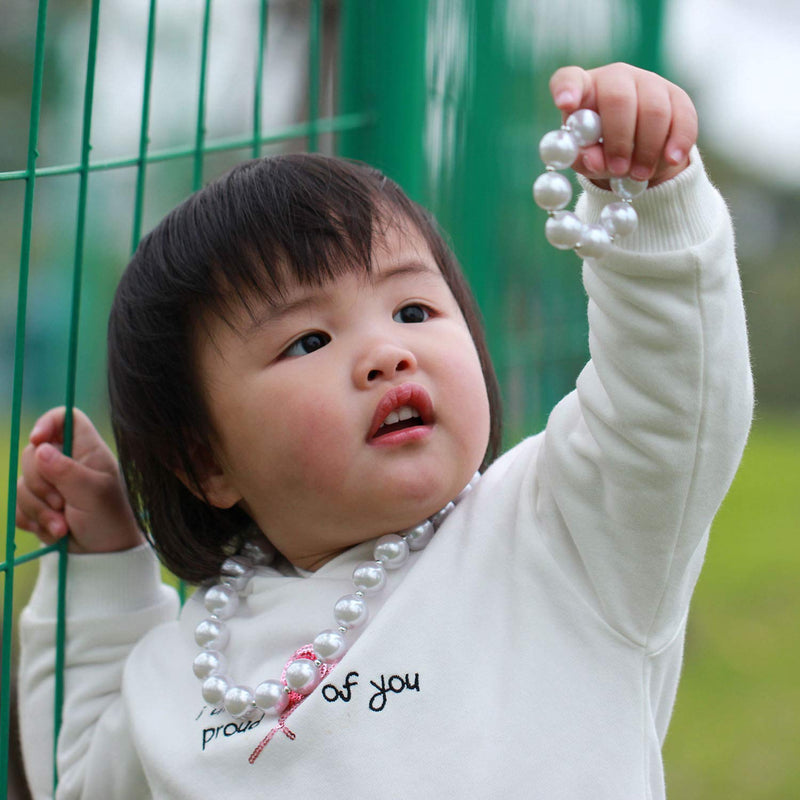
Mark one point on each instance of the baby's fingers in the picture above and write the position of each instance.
(571, 88)
(81, 487)
(617, 104)
(36, 481)
(683, 132)
(652, 126)
(36, 516)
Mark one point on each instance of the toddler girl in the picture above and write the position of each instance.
(300, 390)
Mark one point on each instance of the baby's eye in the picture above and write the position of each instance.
(412, 313)
(307, 344)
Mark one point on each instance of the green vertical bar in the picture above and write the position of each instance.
(72, 357)
(262, 46)
(144, 137)
(16, 402)
(383, 71)
(199, 142)
(200, 132)
(315, 29)
(651, 22)
(479, 188)
(80, 229)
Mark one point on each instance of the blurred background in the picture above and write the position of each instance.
(450, 98)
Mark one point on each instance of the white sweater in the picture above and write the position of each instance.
(533, 649)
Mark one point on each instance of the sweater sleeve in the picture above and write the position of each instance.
(637, 459)
(112, 601)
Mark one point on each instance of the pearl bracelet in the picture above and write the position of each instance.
(552, 191)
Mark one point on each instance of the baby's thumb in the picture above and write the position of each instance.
(77, 483)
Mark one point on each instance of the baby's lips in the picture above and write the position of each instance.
(407, 394)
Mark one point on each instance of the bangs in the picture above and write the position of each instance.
(288, 221)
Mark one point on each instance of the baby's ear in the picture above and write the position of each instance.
(215, 487)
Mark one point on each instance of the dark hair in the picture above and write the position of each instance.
(310, 216)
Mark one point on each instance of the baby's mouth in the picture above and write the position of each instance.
(401, 407)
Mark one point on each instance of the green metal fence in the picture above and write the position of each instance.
(449, 97)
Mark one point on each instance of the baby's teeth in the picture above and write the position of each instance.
(400, 415)
(406, 412)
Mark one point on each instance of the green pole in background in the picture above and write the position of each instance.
(383, 70)
(16, 408)
(649, 50)
(387, 67)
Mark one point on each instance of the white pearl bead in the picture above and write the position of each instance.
(369, 577)
(627, 188)
(208, 663)
(214, 689)
(619, 219)
(552, 191)
(330, 645)
(585, 126)
(238, 701)
(419, 536)
(256, 554)
(558, 149)
(350, 611)
(270, 697)
(440, 516)
(236, 572)
(391, 550)
(222, 601)
(212, 634)
(563, 230)
(469, 487)
(594, 242)
(302, 676)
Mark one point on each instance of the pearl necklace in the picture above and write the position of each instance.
(552, 191)
(310, 663)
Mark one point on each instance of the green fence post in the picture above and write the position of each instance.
(263, 18)
(383, 70)
(72, 360)
(314, 60)
(649, 46)
(16, 401)
(144, 129)
(200, 124)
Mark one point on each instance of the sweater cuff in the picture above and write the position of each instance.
(675, 215)
(101, 584)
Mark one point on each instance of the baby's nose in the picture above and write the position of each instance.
(383, 362)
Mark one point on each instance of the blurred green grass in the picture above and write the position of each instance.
(735, 732)
(736, 727)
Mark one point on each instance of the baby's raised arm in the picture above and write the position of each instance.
(636, 461)
(82, 496)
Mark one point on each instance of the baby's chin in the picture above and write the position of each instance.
(431, 508)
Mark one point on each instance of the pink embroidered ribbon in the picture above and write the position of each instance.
(295, 698)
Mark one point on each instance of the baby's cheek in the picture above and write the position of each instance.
(468, 384)
(323, 448)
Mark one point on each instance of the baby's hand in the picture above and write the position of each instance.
(649, 124)
(82, 496)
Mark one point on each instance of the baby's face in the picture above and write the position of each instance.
(349, 411)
